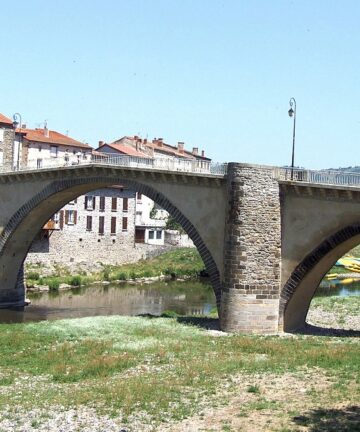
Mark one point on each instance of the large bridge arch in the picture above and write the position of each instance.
(43, 196)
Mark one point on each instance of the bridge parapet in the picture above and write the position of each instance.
(163, 164)
(324, 177)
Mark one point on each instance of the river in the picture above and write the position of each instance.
(185, 298)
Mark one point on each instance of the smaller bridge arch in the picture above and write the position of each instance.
(300, 288)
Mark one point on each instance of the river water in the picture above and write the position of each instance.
(185, 298)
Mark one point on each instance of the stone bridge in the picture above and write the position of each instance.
(266, 241)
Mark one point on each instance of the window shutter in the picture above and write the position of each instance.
(66, 217)
(86, 203)
(124, 223)
(89, 223)
(94, 202)
(113, 225)
(101, 225)
(75, 216)
(113, 203)
(125, 204)
(61, 219)
(102, 203)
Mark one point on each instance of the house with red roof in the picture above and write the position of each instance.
(44, 147)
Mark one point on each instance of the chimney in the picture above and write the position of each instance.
(180, 147)
(195, 151)
(23, 126)
(101, 143)
(46, 130)
(202, 153)
(160, 142)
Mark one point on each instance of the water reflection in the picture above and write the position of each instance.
(185, 298)
(339, 287)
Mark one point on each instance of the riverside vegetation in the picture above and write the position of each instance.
(179, 263)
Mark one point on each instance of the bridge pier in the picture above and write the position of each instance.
(14, 298)
(252, 251)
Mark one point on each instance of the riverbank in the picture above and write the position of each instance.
(178, 263)
(168, 374)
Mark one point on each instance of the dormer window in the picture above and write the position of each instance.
(39, 148)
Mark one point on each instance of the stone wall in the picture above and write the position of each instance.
(251, 284)
(74, 243)
(7, 147)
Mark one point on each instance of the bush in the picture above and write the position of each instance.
(122, 276)
(75, 281)
(54, 284)
(33, 275)
(106, 273)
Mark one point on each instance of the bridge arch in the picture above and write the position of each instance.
(300, 288)
(21, 228)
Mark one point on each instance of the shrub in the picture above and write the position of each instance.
(122, 276)
(75, 281)
(54, 284)
(33, 275)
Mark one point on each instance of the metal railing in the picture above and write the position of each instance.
(327, 177)
(108, 159)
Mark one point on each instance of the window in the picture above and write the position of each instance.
(151, 235)
(139, 196)
(102, 203)
(124, 223)
(39, 163)
(101, 225)
(113, 225)
(54, 151)
(88, 223)
(113, 204)
(125, 204)
(158, 235)
(90, 202)
(70, 217)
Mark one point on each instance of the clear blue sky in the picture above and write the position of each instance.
(215, 74)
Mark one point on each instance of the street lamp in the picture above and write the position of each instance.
(16, 123)
(292, 113)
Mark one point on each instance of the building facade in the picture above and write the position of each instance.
(6, 142)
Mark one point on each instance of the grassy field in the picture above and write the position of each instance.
(182, 262)
(154, 373)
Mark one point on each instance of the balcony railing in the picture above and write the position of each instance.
(327, 177)
(163, 164)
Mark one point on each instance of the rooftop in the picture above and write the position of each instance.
(51, 137)
(5, 120)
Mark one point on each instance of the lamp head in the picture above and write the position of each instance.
(291, 112)
(15, 124)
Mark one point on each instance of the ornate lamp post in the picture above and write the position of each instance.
(16, 123)
(292, 113)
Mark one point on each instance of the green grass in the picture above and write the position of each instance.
(342, 305)
(182, 262)
(157, 365)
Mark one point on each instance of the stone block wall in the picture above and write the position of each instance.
(73, 243)
(7, 147)
(251, 285)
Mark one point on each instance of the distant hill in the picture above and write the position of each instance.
(347, 169)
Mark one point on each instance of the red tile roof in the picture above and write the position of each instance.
(125, 149)
(5, 120)
(38, 135)
(159, 146)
